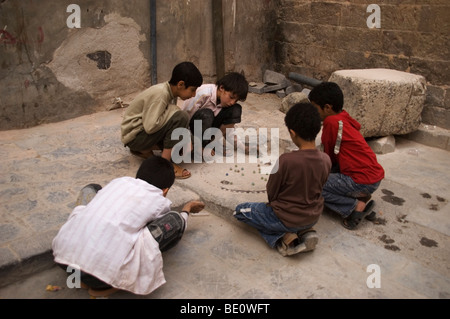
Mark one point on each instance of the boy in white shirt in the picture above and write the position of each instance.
(215, 105)
(115, 235)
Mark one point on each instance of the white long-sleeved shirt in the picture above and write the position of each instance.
(205, 97)
(108, 238)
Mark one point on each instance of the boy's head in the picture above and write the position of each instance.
(231, 88)
(328, 96)
(157, 171)
(304, 120)
(187, 78)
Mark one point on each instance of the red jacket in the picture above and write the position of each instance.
(355, 158)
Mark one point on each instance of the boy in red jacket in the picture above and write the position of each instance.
(356, 172)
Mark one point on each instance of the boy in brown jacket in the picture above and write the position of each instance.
(294, 190)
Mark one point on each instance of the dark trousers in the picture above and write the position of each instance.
(163, 137)
(228, 115)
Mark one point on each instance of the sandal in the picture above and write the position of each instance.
(301, 242)
(352, 221)
(309, 239)
(179, 172)
(288, 244)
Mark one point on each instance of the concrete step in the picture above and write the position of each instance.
(431, 135)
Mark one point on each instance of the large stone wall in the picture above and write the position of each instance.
(316, 38)
(50, 72)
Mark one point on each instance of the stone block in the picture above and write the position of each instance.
(385, 102)
(435, 96)
(257, 88)
(294, 87)
(281, 94)
(431, 135)
(438, 116)
(306, 91)
(272, 77)
(326, 13)
(291, 99)
(383, 145)
(273, 88)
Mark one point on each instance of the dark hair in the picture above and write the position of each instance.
(236, 83)
(157, 171)
(304, 119)
(328, 93)
(187, 72)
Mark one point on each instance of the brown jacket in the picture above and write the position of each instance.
(295, 189)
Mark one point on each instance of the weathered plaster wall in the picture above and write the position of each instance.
(317, 38)
(49, 72)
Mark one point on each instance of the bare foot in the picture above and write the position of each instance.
(360, 206)
(180, 172)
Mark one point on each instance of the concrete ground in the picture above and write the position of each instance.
(43, 168)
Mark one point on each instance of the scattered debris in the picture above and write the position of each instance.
(379, 221)
(402, 219)
(274, 82)
(117, 104)
(53, 288)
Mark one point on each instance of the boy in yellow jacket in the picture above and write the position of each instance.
(153, 115)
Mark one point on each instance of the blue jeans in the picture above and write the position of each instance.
(341, 193)
(262, 217)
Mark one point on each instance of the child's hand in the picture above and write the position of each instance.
(194, 207)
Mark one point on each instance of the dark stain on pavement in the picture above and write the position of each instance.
(389, 241)
(386, 239)
(379, 221)
(390, 198)
(434, 206)
(440, 199)
(392, 247)
(428, 242)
